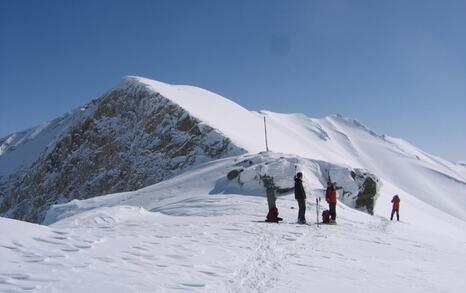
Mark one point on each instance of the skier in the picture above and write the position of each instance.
(331, 198)
(300, 196)
(396, 207)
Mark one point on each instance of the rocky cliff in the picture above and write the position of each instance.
(129, 138)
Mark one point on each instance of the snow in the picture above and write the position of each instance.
(204, 233)
(19, 150)
(210, 108)
(335, 139)
(181, 235)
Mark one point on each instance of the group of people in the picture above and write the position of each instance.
(329, 216)
(331, 198)
(300, 196)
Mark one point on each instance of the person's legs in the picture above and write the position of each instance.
(302, 210)
(333, 213)
(393, 212)
(398, 214)
(271, 198)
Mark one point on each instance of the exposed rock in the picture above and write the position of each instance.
(234, 173)
(129, 138)
(367, 195)
(358, 188)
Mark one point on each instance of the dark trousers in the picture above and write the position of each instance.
(397, 214)
(302, 209)
(271, 198)
(333, 210)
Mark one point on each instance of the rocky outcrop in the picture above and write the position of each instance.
(367, 195)
(129, 138)
(358, 188)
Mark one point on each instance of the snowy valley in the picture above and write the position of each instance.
(133, 194)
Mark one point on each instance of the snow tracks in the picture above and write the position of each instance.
(277, 246)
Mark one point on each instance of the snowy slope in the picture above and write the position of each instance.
(187, 234)
(335, 139)
(19, 150)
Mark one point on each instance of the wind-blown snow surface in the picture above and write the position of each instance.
(181, 235)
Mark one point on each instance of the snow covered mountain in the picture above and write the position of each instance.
(144, 131)
(160, 188)
(129, 138)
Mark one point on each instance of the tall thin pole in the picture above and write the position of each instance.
(265, 128)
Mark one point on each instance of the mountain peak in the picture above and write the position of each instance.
(138, 133)
(339, 118)
(140, 80)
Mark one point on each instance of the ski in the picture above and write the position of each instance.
(317, 211)
(278, 220)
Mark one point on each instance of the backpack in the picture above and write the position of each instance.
(272, 216)
(326, 216)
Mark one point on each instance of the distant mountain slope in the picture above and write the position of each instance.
(145, 131)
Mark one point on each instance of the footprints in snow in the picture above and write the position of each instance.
(162, 252)
(39, 254)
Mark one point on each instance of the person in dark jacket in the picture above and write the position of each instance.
(395, 207)
(331, 198)
(300, 196)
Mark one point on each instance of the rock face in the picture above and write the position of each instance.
(367, 195)
(358, 188)
(129, 138)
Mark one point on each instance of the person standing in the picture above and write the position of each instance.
(331, 198)
(300, 196)
(395, 207)
(270, 187)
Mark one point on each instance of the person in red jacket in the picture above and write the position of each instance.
(331, 198)
(396, 207)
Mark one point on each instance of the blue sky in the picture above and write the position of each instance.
(399, 67)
